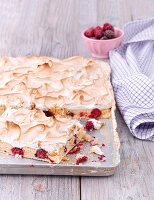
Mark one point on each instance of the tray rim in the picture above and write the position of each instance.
(69, 169)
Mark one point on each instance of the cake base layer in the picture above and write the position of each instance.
(79, 113)
(51, 157)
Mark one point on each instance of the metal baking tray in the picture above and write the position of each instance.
(93, 167)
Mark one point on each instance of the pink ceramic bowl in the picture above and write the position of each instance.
(101, 48)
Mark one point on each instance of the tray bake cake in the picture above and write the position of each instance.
(70, 87)
(30, 134)
(42, 100)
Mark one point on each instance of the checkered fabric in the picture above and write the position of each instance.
(132, 67)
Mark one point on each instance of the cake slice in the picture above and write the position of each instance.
(77, 87)
(31, 134)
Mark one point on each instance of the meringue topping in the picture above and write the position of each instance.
(75, 82)
(31, 128)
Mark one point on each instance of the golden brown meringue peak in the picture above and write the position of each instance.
(49, 82)
(22, 127)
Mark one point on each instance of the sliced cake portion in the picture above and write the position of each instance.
(77, 87)
(31, 134)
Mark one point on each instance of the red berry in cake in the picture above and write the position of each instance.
(48, 113)
(69, 113)
(95, 113)
(102, 157)
(76, 149)
(89, 126)
(65, 149)
(16, 150)
(98, 32)
(108, 26)
(75, 138)
(41, 153)
(89, 33)
(82, 114)
(81, 159)
(109, 34)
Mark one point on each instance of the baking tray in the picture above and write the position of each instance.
(93, 167)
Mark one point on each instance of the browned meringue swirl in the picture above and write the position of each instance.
(31, 128)
(46, 82)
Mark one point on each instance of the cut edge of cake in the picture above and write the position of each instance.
(75, 134)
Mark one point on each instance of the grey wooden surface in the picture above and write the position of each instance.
(53, 28)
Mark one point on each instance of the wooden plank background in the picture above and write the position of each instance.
(53, 28)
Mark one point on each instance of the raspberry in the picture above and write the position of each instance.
(82, 114)
(102, 157)
(41, 153)
(69, 113)
(81, 159)
(109, 34)
(93, 143)
(104, 38)
(16, 150)
(65, 149)
(89, 33)
(89, 126)
(75, 138)
(76, 149)
(95, 113)
(98, 32)
(107, 26)
(48, 113)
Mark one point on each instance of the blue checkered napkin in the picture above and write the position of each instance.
(132, 67)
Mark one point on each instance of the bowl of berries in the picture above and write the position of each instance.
(101, 39)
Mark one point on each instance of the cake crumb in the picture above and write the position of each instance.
(95, 149)
(18, 156)
(81, 158)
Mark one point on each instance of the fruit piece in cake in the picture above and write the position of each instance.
(31, 134)
(89, 126)
(95, 113)
(77, 148)
(96, 123)
(102, 158)
(80, 158)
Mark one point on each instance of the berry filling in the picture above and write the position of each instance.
(41, 153)
(48, 113)
(16, 150)
(102, 157)
(89, 126)
(75, 138)
(95, 113)
(76, 149)
(69, 113)
(82, 114)
(81, 159)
